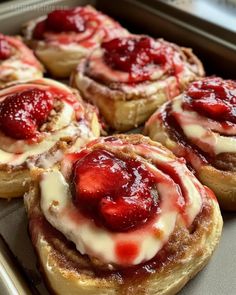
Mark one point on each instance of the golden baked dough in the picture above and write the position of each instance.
(127, 101)
(186, 251)
(17, 61)
(60, 52)
(70, 121)
(14, 183)
(199, 138)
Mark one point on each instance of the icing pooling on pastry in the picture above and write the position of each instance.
(67, 122)
(82, 26)
(176, 195)
(19, 63)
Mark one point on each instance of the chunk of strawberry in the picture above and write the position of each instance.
(42, 104)
(117, 192)
(125, 213)
(213, 97)
(65, 21)
(214, 108)
(22, 113)
(96, 176)
(39, 30)
(24, 129)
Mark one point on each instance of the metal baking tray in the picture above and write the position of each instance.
(171, 20)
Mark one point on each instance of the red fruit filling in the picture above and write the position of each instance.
(134, 55)
(5, 49)
(70, 20)
(39, 30)
(65, 21)
(119, 193)
(214, 98)
(22, 114)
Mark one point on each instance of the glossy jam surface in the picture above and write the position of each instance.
(70, 20)
(5, 49)
(119, 193)
(65, 21)
(22, 114)
(214, 98)
(137, 56)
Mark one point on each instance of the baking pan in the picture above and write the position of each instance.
(158, 18)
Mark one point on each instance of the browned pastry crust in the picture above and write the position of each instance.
(14, 183)
(67, 271)
(124, 106)
(222, 183)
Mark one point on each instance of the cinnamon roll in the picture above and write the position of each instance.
(63, 37)
(39, 120)
(121, 216)
(129, 77)
(17, 61)
(200, 125)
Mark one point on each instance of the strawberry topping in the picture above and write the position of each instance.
(213, 97)
(65, 21)
(22, 114)
(69, 20)
(119, 193)
(136, 56)
(5, 49)
(39, 30)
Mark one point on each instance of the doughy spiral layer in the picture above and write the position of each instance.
(200, 126)
(39, 120)
(184, 219)
(17, 62)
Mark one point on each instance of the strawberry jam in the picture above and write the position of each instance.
(5, 49)
(65, 21)
(214, 98)
(126, 251)
(118, 193)
(69, 20)
(136, 56)
(21, 114)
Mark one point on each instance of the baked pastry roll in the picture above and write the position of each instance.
(17, 61)
(121, 216)
(39, 120)
(128, 78)
(61, 38)
(199, 125)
